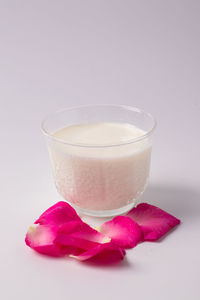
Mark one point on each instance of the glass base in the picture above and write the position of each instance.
(105, 213)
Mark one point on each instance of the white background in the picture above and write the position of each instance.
(55, 54)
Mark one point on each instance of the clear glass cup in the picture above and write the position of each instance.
(100, 180)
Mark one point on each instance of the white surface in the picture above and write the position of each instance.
(60, 53)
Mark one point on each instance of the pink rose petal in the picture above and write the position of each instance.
(41, 239)
(58, 214)
(123, 231)
(105, 253)
(81, 235)
(153, 221)
(60, 231)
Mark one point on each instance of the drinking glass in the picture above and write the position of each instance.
(100, 179)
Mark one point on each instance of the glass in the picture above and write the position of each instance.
(104, 179)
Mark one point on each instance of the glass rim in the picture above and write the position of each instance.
(84, 145)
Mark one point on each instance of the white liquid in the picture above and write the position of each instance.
(100, 178)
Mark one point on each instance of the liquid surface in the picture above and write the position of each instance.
(101, 133)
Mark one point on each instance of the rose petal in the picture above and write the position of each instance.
(81, 235)
(58, 214)
(123, 231)
(153, 221)
(41, 239)
(105, 253)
